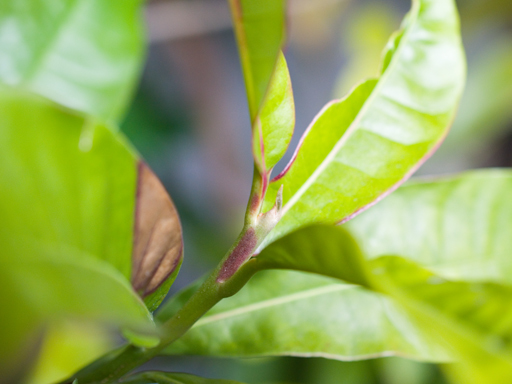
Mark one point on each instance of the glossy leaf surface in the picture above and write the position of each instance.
(172, 378)
(67, 205)
(299, 314)
(85, 54)
(446, 275)
(458, 226)
(260, 32)
(359, 149)
(452, 265)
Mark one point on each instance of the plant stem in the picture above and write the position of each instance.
(119, 362)
(232, 273)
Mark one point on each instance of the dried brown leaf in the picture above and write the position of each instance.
(158, 243)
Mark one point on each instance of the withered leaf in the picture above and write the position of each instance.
(158, 242)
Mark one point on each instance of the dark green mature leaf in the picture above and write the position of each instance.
(67, 201)
(292, 313)
(359, 149)
(260, 31)
(172, 378)
(85, 54)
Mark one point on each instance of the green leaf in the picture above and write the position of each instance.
(273, 127)
(85, 54)
(458, 226)
(432, 260)
(359, 149)
(260, 32)
(172, 378)
(67, 347)
(293, 313)
(67, 204)
(474, 318)
(464, 238)
(453, 273)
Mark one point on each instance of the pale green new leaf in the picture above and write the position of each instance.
(359, 149)
(260, 31)
(67, 202)
(85, 54)
(273, 126)
(156, 377)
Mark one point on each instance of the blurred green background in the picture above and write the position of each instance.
(189, 120)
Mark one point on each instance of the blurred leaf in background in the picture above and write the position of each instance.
(68, 346)
(363, 36)
(84, 54)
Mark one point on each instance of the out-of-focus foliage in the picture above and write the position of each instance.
(172, 378)
(68, 346)
(67, 214)
(362, 37)
(84, 54)
(488, 63)
(485, 110)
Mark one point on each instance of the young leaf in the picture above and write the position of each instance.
(85, 54)
(463, 233)
(359, 149)
(260, 32)
(273, 126)
(68, 213)
(172, 378)
(298, 314)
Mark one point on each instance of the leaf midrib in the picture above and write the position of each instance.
(306, 294)
(348, 133)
